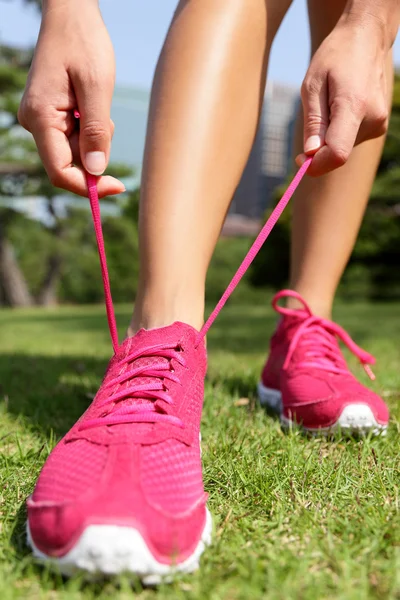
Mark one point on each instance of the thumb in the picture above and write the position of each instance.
(316, 114)
(94, 104)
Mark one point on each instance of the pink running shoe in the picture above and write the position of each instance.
(123, 490)
(307, 381)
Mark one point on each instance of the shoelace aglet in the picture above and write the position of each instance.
(369, 372)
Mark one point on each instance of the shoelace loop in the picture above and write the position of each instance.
(316, 334)
(146, 383)
(120, 413)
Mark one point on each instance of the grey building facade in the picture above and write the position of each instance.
(271, 156)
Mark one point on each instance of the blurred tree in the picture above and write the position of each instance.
(377, 252)
(13, 69)
(22, 174)
(79, 278)
(13, 286)
(271, 265)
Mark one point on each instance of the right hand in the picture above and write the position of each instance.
(345, 92)
(73, 68)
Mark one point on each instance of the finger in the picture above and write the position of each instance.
(94, 104)
(376, 122)
(339, 139)
(300, 159)
(58, 158)
(314, 95)
(74, 143)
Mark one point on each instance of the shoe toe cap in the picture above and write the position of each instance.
(318, 403)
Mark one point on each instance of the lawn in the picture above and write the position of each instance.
(294, 517)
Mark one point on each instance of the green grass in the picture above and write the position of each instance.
(294, 517)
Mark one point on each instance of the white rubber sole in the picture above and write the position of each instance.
(354, 419)
(107, 550)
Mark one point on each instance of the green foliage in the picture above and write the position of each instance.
(80, 278)
(228, 255)
(121, 238)
(271, 265)
(130, 207)
(14, 65)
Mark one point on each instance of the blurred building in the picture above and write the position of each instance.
(280, 109)
(270, 158)
(269, 161)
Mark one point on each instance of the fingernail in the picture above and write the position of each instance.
(313, 143)
(95, 162)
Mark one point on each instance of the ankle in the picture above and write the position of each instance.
(321, 307)
(149, 314)
(155, 321)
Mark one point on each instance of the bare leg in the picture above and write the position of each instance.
(205, 107)
(328, 210)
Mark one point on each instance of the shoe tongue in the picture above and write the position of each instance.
(292, 321)
(146, 338)
(296, 314)
(316, 339)
(170, 334)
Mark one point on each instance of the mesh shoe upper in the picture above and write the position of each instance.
(140, 468)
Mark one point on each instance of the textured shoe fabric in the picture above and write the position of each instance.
(307, 379)
(133, 459)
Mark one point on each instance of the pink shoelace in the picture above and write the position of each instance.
(152, 389)
(147, 384)
(315, 336)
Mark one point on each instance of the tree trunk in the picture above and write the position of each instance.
(48, 289)
(48, 292)
(15, 290)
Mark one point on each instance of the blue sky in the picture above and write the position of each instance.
(138, 27)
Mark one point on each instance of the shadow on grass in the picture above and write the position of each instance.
(18, 536)
(51, 392)
(234, 385)
(71, 319)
